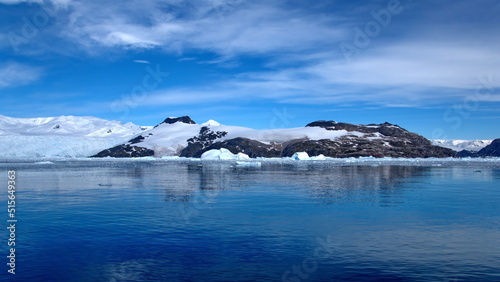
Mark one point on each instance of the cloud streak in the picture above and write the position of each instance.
(426, 56)
(14, 74)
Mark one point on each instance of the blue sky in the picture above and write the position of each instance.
(432, 67)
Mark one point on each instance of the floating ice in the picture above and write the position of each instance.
(243, 163)
(300, 156)
(223, 154)
(45, 162)
(318, 158)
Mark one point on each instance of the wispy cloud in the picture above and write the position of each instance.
(225, 27)
(142, 62)
(416, 61)
(14, 74)
(13, 2)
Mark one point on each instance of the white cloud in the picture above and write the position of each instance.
(425, 63)
(224, 27)
(15, 74)
(142, 62)
(426, 60)
(13, 2)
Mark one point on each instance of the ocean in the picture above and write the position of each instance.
(272, 220)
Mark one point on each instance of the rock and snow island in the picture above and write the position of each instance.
(70, 136)
(183, 137)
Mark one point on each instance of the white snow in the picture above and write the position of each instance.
(66, 125)
(170, 139)
(64, 136)
(223, 154)
(459, 145)
(211, 122)
(55, 146)
(282, 134)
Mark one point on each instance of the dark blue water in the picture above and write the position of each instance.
(215, 221)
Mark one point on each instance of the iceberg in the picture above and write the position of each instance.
(223, 154)
(299, 156)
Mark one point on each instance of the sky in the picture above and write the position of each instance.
(432, 67)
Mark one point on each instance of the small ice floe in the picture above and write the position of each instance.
(243, 163)
(320, 157)
(223, 154)
(45, 162)
(304, 156)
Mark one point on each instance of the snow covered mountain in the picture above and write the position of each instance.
(70, 136)
(66, 125)
(64, 136)
(459, 145)
(183, 137)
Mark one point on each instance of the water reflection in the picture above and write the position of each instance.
(329, 184)
(254, 223)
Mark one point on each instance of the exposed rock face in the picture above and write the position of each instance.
(125, 151)
(467, 153)
(378, 140)
(197, 145)
(183, 119)
(361, 147)
(386, 129)
(252, 148)
(382, 140)
(492, 150)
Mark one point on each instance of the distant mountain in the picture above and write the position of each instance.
(66, 125)
(70, 136)
(464, 148)
(459, 145)
(183, 137)
(64, 136)
(492, 150)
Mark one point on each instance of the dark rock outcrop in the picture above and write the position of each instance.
(362, 147)
(197, 145)
(125, 151)
(183, 119)
(379, 140)
(252, 148)
(137, 139)
(467, 153)
(492, 150)
(386, 129)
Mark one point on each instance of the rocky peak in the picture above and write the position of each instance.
(183, 119)
(492, 150)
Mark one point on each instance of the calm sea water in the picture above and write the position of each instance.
(216, 221)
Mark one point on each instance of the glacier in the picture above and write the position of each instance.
(64, 136)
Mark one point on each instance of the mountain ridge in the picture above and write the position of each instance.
(74, 136)
(183, 137)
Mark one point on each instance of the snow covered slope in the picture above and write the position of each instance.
(64, 136)
(70, 136)
(66, 125)
(459, 145)
(169, 139)
(183, 137)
